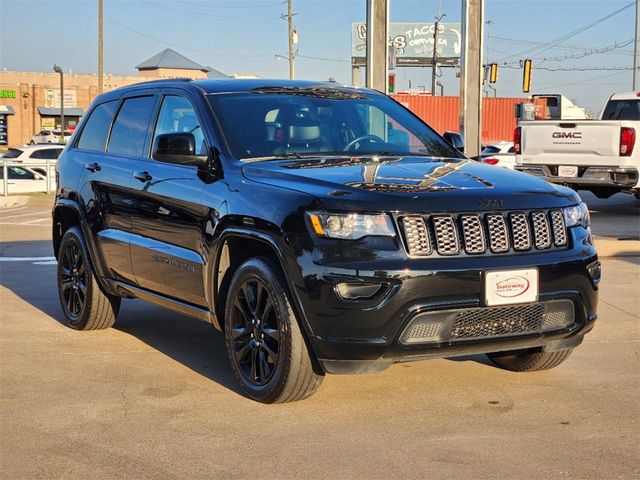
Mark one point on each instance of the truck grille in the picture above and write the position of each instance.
(477, 234)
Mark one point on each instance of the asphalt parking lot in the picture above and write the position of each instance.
(153, 397)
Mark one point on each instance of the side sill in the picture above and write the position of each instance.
(162, 301)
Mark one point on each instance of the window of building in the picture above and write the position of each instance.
(95, 132)
(130, 127)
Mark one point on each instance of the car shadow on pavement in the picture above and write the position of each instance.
(192, 342)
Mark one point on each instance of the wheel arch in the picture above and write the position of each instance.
(236, 245)
(67, 213)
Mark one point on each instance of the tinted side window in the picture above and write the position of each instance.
(95, 131)
(178, 115)
(622, 110)
(130, 127)
(47, 153)
(17, 173)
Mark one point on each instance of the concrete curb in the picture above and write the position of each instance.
(12, 201)
(610, 247)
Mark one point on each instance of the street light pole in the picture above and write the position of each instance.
(57, 69)
(100, 46)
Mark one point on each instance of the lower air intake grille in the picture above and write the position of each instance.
(488, 322)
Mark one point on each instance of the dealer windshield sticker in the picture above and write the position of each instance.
(511, 286)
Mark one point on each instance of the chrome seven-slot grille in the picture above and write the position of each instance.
(476, 234)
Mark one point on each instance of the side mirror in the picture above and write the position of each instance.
(455, 139)
(179, 147)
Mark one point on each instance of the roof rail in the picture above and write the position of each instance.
(160, 80)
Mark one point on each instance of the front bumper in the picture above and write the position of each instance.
(352, 336)
(612, 177)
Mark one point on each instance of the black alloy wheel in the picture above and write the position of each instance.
(266, 348)
(255, 332)
(84, 305)
(73, 280)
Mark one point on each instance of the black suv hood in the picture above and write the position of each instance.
(409, 184)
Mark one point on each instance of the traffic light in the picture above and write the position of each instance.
(526, 76)
(391, 82)
(493, 73)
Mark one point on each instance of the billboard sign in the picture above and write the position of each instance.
(412, 43)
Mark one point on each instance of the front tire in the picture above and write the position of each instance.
(266, 349)
(84, 305)
(529, 361)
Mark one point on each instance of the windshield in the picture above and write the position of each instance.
(295, 122)
(622, 110)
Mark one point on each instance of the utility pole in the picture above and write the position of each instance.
(377, 73)
(290, 22)
(57, 69)
(636, 50)
(434, 59)
(471, 76)
(100, 46)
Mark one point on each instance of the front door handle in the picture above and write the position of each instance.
(93, 167)
(142, 176)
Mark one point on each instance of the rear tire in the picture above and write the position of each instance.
(84, 304)
(529, 361)
(266, 349)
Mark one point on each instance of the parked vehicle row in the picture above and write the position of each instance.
(322, 228)
(49, 136)
(596, 155)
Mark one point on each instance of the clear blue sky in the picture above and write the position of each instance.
(243, 36)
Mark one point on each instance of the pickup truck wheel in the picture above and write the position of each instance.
(529, 361)
(84, 304)
(267, 352)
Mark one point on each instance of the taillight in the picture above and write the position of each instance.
(627, 141)
(517, 137)
(490, 161)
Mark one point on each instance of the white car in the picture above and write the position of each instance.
(24, 180)
(501, 154)
(49, 136)
(35, 157)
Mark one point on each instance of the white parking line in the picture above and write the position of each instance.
(26, 224)
(39, 212)
(37, 220)
(26, 259)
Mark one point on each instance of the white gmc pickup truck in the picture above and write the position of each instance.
(595, 155)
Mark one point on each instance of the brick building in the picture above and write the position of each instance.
(30, 101)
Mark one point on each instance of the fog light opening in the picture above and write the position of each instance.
(357, 291)
(595, 272)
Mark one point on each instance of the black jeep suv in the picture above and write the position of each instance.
(322, 228)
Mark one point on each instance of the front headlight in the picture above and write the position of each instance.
(577, 215)
(350, 226)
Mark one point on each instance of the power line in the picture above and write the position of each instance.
(191, 13)
(575, 69)
(236, 6)
(586, 53)
(551, 43)
(583, 81)
(184, 47)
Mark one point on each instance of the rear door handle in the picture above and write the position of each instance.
(142, 176)
(93, 167)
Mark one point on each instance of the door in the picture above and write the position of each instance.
(167, 240)
(104, 155)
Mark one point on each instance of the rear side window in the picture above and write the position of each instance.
(47, 153)
(130, 128)
(95, 132)
(12, 153)
(622, 110)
